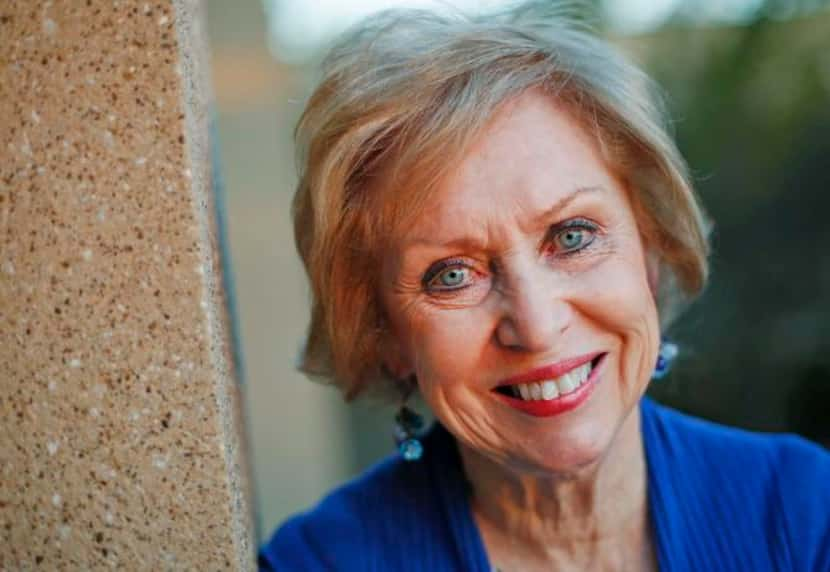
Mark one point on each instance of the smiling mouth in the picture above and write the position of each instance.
(547, 389)
(541, 396)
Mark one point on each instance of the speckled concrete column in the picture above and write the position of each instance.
(120, 441)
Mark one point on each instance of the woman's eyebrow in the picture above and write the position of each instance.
(461, 243)
(473, 243)
(560, 205)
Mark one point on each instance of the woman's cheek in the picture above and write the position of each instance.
(628, 312)
(616, 287)
(449, 344)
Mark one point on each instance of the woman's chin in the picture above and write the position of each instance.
(566, 444)
(568, 454)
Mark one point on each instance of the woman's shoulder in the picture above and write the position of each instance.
(768, 492)
(366, 523)
(682, 434)
(336, 529)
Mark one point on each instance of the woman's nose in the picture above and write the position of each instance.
(535, 314)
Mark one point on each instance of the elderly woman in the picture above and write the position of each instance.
(492, 215)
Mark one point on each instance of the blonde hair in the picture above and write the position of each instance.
(402, 95)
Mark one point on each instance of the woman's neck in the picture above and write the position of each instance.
(586, 519)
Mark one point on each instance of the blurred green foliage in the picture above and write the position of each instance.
(753, 121)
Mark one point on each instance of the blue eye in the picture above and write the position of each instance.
(452, 277)
(570, 239)
(452, 274)
(573, 236)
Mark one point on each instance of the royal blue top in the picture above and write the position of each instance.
(719, 499)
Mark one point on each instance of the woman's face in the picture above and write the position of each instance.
(521, 298)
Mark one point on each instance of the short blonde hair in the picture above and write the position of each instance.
(402, 96)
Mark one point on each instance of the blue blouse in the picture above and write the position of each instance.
(719, 499)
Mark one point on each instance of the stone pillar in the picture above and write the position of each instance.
(120, 437)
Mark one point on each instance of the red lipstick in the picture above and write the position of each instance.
(563, 403)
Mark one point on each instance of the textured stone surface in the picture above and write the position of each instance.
(119, 438)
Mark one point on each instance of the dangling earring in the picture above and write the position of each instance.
(665, 356)
(408, 426)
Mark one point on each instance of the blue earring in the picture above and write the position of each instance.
(665, 357)
(408, 426)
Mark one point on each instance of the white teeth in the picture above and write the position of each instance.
(549, 390)
(566, 384)
(582, 373)
(553, 388)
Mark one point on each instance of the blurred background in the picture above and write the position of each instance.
(748, 83)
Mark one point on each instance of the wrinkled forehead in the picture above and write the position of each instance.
(421, 193)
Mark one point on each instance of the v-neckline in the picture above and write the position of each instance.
(469, 543)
